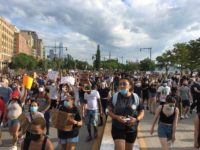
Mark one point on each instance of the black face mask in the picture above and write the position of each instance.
(35, 137)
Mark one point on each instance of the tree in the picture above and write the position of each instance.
(147, 65)
(132, 66)
(97, 61)
(23, 61)
(165, 61)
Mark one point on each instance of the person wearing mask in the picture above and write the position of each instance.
(184, 93)
(138, 88)
(126, 112)
(145, 93)
(92, 106)
(37, 139)
(163, 91)
(197, 131)
(14, 110)
(53, 94)
(69, 139)
(195, 91)
(44, 101)
(152, 97)
(64, 90)
(81, 93)
(34, 113)
(104, 94)
(168, 119)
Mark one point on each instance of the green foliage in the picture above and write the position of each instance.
(147, 65)
(97, 61)
(132, 66)
(24, 61)
(110, 64)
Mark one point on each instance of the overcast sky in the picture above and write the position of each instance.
(119, 26)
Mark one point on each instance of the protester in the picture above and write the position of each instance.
(2, 113)
(69, 139)
(163, 91)
(197, 131)
(37, 139)
(44, 101)
(14, 110)
(186, 98)
(152, 97)
(126, 111)
(92, 107)
(168, 118)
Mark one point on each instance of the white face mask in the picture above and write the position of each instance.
(41, 89)
(53, 84)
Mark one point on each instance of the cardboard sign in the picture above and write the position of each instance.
(68, 79)
(24, 123)
(60, 120)
(52, 75)
(84, 78)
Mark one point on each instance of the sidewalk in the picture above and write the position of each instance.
(184, 134)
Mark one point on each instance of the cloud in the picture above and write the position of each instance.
(121, 27)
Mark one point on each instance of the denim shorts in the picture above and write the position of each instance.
(91, 117)
(165, 131)
(13, 122)
(69, 140)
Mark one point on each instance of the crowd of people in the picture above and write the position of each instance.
(125, 97)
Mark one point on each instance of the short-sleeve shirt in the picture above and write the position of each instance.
(124, 107)
(92, 100)
(184, 92)
(5, 93)
(164, 91)
(75, 130)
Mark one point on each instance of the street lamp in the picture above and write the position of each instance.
(149, 48)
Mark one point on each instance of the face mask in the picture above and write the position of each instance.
(138, 84)
(34, 108)
(66, 104)
(41, 89)
(53, 84)
(170, 106)
(64, 89)
(35, 137)
(123, 91)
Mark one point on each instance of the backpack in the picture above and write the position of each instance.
(136, 99)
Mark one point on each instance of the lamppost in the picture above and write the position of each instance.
(148, 48)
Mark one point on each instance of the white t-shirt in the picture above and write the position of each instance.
(53, 92)
(92, 102)
(14, 110)
(164, 91)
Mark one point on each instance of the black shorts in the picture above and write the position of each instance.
(128, 136)
(145, 96)
(185, 103)
(53, 104)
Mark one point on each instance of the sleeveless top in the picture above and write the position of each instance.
(167, 119)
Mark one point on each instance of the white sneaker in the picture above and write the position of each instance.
(182, 117)
(13, 148)
(186, 116)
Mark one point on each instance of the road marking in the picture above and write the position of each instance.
(141, 140)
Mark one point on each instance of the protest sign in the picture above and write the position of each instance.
(52, 75)
(60, 120)
(68, 79)
(24, 123)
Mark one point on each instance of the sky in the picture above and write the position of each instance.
(120, 27)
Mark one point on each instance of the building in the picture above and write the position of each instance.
(61, 49)
(37, 47)
(21, 45)
(7, 31)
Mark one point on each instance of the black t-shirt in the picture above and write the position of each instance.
(195, 95)
(104, 92)
(145, 88)
(138, 90)
(123, 107)
(81, 94)
(75, 131)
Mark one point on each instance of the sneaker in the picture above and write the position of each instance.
(182, 117)
(88, 139)
(13, 148)
(186, 116)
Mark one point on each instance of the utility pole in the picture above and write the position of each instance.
(148, 48)
(109, 55)
(122, 59)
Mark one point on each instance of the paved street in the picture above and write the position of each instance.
(184, 137)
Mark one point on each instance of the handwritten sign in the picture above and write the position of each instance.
(84, 78)
(52, 75)
(68, 79)
(60, 120)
